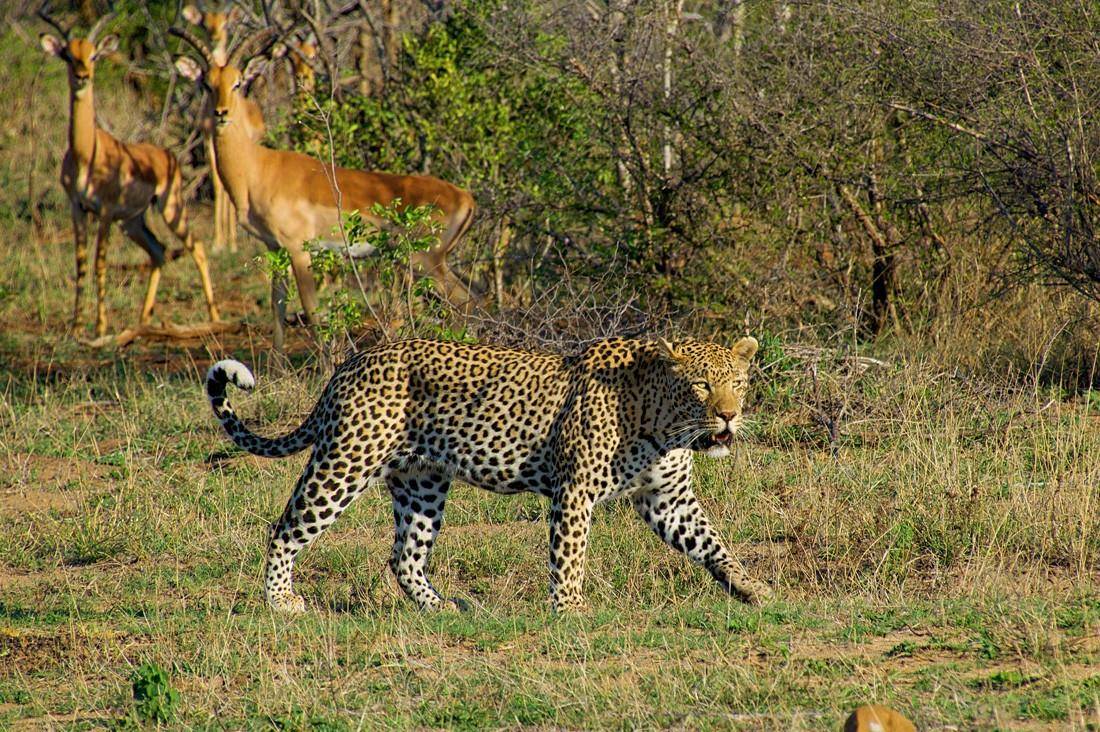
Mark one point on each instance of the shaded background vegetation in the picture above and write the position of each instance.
(884, 169)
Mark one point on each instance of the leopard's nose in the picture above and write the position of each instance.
(728, 416)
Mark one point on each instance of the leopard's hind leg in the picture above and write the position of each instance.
(328, 485)
(418, 500)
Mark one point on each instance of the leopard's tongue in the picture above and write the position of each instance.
(724, 437)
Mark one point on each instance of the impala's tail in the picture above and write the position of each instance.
(224, 372)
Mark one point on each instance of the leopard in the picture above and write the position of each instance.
(619, 418)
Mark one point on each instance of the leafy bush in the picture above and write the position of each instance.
(155, 700)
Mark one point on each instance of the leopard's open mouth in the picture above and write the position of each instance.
(706, 442)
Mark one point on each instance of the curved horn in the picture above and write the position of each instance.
(98, 27)
(307, 60)
(249, 44)
(196, 42)
(44, 14)
(252, 17)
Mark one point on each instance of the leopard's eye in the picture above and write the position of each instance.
(704, 385)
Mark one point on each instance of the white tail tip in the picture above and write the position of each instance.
(235, 372)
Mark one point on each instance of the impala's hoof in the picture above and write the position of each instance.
(296, 320)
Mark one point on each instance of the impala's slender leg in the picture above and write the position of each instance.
(80, 239)
(141, 235)
(231, 222)
(219, 195)
(176, 217)
(150, 299)
(198, 253)
(278, 307)
(303, 277)
(453, 287)
(103, 238)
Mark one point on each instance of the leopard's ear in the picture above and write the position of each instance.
(670, 352)
(745, 348)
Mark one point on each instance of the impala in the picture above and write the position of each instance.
(287, 198)
(217, 25)
(303, 55)
(115, 181)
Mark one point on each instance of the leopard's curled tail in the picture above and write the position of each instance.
(224, 372)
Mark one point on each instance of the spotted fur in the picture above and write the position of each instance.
(622, 418)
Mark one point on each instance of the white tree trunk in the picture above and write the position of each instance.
(675, 14)
(730, 27)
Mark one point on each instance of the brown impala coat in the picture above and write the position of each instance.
(217, 25)
(286, 198)
(116, 181)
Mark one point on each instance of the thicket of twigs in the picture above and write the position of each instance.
(867, 167)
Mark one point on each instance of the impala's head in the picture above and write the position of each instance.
(708, 385)
(225, 81)
(226, 85)
(302, 56)
(216, 23)
(79, 54)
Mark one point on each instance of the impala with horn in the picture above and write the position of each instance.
(115, 181)
(286, 198)
(217, 24)
(303, 55)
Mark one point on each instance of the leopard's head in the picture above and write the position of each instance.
(708, 385)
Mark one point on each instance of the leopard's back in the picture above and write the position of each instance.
(482, 413)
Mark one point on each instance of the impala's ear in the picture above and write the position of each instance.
(670, 352)
(278, 50)
(51, 44)
(254, 68)
(235, 14)
(105, 46)
(745, 348)
(192, 15)
(189, 68)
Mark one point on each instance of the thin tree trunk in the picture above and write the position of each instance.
(617, 26)
(932, 239)
(883, 266)
(730, 24)
(504, 240)
(886, 258)
(368, 62)
(675, 11)
(391, 20)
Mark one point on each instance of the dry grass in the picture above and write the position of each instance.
(943, 567)
(940, 554)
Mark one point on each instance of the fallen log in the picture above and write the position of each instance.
(164, 332)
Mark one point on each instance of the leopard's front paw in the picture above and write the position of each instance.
(453, 605)
(289, 602)
(752, 592)
(570, 606)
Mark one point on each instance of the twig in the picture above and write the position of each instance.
(940, 121)
(32, 203)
